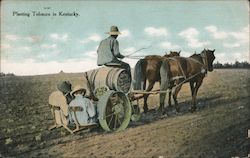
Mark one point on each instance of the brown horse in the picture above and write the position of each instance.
(149, 69)
(181, 70)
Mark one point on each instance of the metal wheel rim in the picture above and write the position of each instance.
(136, 115)
(114, 117)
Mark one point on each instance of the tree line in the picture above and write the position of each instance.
(237, 64)
(8, 74)
(216, 65)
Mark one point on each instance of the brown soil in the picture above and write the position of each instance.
(218, 129)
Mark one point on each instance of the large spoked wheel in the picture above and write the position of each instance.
(114, 110)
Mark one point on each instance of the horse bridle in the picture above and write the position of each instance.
(204, 62)
(204, 59)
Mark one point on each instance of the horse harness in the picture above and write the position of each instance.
(178, 77)
(203, 70)
(204, 59)
(204, 64)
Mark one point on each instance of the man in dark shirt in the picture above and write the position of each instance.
(108, 51)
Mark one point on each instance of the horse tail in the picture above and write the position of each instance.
(164, 74)
(139, 74)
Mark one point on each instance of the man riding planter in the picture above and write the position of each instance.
(108, 51)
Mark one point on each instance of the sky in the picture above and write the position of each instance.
(32, 44)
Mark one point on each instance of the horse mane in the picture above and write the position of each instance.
(195, 55)
(150, 57)
(172, 54)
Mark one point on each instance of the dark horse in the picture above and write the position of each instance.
(149, 69)
(181, 70)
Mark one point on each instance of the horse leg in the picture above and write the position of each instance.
(164, 79)
(150, 87)
(170, 94)
(144, 84)
(192, 87)
(163, 87)
(169, 97)
(176, 91)
(195, 91)
(192, 92)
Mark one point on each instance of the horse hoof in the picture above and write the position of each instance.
(169, 107)
(163, 112)
(164, 115)
(177, 110)
(145, 109)
(193, 110)
(178, 113)
(160, 110)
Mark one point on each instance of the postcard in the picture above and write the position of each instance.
(124, 78)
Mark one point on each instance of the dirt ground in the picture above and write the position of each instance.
(219, 128)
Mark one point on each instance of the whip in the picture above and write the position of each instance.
(136, 57)
(137, 51)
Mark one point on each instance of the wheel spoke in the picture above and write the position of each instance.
(115, 121)
(109, 115)
(119, 121)
(111, 120)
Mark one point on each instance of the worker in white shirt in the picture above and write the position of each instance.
(88, 114)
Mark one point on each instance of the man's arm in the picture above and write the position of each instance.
(116, 50)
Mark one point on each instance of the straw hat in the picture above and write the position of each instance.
(114, 31)
(78, 88)
(64, 86)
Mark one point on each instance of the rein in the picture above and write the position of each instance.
(166, 91)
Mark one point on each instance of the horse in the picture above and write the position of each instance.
(149, 69)
(182, 70)
(172, 54)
